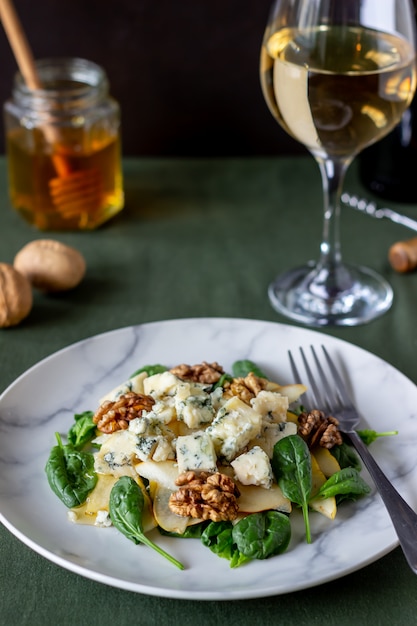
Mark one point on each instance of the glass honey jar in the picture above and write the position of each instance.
(63, 147)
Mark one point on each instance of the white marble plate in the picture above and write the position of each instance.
(44, 399)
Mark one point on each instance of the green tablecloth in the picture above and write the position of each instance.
(202, 238)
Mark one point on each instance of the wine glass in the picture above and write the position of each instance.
(337, 75)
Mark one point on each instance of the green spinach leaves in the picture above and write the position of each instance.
(261, 535)
(291, 464)
(70, 473)
(151, 370)
(346, 456)
(218, 536)
(126, 508)
(346, 484)
(368, 436)
(256, 536)
(244, 367)
(83, 430)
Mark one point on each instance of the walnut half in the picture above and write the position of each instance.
(317, 429)
(206, 496)
(116, 415)
(245, 388)
(201, 373)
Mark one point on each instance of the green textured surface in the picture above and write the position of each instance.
(202, 238)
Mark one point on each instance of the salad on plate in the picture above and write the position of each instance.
(204, 454)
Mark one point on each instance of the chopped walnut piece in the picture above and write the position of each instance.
(245, 388)
(116, 415)
(317, 429)
(205, 496)
(201, 373)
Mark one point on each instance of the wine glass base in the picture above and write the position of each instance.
(302, 296)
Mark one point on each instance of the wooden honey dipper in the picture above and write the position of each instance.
(73, 193)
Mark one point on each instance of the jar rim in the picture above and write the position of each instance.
(67, 82)
(87, 73)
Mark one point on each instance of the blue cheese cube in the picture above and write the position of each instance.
(187, 401)
(164, 450)
(162, 412)
(193, 404)
(235, 424)
(133, 384)
(145, 447)
(158, 448)
(102, 519)
(271, 405)
(161, 386)
(149, 424)
(196, 452)
(117, 454)
(271, 433)
(217, 398)
(153, 437)
(253, 468)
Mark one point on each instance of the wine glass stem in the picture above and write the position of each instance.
(332, 173)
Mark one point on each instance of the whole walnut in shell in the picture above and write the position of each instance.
(50, 265)
(15, 296)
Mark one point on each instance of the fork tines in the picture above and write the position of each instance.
(321, 394)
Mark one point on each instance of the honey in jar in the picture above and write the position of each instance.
(63, 147)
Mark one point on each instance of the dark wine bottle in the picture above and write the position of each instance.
(388, 168)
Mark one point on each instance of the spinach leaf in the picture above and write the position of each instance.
(369, 436)
(346, 456)
(218, 536)
(298, 409)
(291, 464)
(150, 370)
(223, 378)
(244, 367)
(125, 509)
(70, 473)
(83, 430)
(261, 535)
(346, 484)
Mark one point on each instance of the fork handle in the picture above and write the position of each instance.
(403, 517)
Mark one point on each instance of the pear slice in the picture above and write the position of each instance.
(99, 497)
(165, 518)
(253, 499)
(164, 473)
(292, 392)
(325, 506)
(162, 477)
(98, 500)
(292, 417)
(328, 464)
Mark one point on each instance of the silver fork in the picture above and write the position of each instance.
(330, 395)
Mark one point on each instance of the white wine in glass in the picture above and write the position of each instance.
(337, 75)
